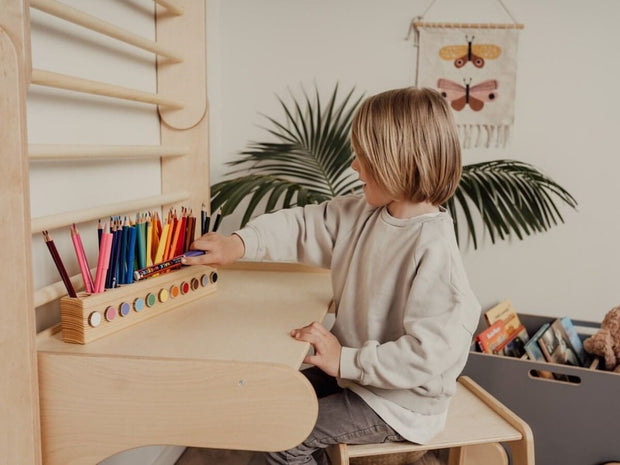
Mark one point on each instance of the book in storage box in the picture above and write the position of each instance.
(564, 327)
(492, 337)
(555, 347)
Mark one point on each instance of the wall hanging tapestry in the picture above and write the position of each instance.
(474, 67)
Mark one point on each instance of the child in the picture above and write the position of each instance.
(405, 312)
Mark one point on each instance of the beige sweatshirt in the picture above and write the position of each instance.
(405, 313)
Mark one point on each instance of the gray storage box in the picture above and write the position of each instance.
(573, 423)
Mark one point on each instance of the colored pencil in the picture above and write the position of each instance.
(172, 222)
(149, 241)
(156, 237)
(158, 224)
(116, 258)
(82, 260)
(59, 265)
(175, 238)
(218, 217)
(189, 234)
(104, 258)
(192, 233)
(203, 217)
(180, 248)
(159, 256)
(122, 262)
(131, 253)
(110, 272)
(140, 241)
(99, 231)
(206, 224)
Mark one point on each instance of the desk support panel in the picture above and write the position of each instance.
(93, 406)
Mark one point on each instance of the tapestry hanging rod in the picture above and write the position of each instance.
(469, 25)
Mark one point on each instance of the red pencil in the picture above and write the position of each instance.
(59, 265)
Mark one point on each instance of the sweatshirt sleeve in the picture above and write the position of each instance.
(440, 317)
(303, 235)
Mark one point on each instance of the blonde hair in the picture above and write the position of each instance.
(407, 141)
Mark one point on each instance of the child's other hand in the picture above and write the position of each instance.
(219, 250)
(326, 347)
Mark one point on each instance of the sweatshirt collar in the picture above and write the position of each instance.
(389, 219)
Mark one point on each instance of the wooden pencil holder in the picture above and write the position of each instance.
(88, 317)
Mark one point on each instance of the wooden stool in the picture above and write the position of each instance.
(476, 424)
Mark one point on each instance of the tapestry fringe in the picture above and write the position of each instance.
(483, 135)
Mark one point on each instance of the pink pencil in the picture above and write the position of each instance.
(82, 261)
(104, 259)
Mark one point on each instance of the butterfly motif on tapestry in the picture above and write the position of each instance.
(475, 53)
(475, 96)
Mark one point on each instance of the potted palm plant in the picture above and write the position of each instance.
(308, 160)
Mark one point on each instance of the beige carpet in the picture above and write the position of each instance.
(197, 456)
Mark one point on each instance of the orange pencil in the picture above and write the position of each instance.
(175, 239)
(168, 238)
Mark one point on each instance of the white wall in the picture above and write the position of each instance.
(566, 117)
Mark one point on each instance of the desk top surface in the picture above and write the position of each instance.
(247, 319)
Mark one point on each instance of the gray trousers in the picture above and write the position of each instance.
(343, 418)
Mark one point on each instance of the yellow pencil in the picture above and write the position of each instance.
(159, 257)
(149, 242)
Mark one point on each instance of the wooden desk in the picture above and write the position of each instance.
(221, 372)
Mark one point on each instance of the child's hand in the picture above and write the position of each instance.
(326, 347)
(219, 250)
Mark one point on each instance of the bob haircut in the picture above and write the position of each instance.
(407, 141)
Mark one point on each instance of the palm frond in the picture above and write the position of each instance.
(308, 158)
(511, 197)
(228, 195)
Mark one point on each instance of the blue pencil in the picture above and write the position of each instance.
(111, 275)
(140, 241)
(99, 232)
(122, 265)
(108, 276)
(131, 251)
(117, 255)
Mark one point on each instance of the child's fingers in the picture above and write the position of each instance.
(210, 245)
(205, 242)
(312, 360)
(314, 327)
(200, 260)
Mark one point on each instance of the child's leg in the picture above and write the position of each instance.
(343, 418)
(323, 384)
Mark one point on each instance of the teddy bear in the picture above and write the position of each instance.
(606, 341)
